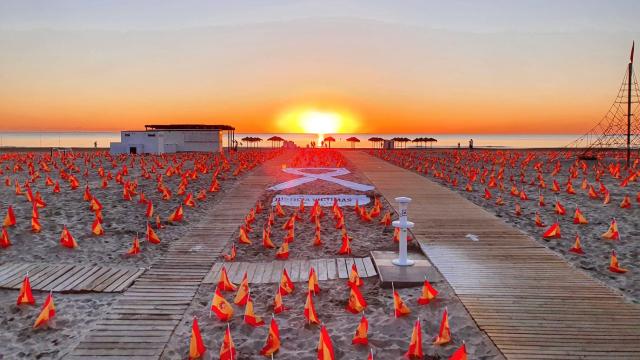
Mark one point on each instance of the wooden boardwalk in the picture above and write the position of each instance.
(68, 278)
(298, 270)
(142, 320)
(529, 301)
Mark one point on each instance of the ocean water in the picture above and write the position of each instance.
(87, 139)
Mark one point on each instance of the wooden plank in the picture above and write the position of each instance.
(332, 269)
(342, 268)
(322, 269)
(360, 266)
(371, 269)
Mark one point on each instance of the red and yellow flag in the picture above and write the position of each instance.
(345, 248)
(10, 218)
(272, 344)
(35, 225)
(325, 347)
(283, 251)
(612, 233)
(354, 278)
(361, 336)
(96, 228)
(151, 235)
(221, 307)
(149, 212)
(224, 283)
(399, 307)
(232, 254)
(196, 346)
(579, 218)
(415, 345)
(626, 202)
(444, 335)
(4, 239)
(242, 295)
(577, 248)
(278, 304)
(177, 215)
(613, 264)
(310, 310)
(25, 296)
(135, 246)
(356, 302)
(552, 232)
(47, 313)
(228, 349)
(460, 354)
(250, 317)
(266, 238)
(313, 284)
(189, 201)
(243, 238)
(286, 285)
(428, 293)
(67, 240)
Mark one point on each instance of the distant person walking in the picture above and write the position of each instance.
(95, 144)
(471, 144)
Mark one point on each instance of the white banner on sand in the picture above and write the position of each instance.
(323, 200)
(329, 174)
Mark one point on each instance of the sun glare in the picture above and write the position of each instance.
(311, 120)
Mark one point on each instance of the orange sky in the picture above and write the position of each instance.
(393, 76)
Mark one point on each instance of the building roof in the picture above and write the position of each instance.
(188, 127)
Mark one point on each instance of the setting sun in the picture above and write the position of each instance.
(312, 120)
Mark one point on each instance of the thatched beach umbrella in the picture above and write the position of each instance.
(431, 141)
(275, 139)
(328, 140)
(353, 140)
(376, 140)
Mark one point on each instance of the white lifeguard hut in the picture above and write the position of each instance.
(173, 138)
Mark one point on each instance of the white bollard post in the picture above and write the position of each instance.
(403, 224)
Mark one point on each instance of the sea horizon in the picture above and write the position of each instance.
(86, 139)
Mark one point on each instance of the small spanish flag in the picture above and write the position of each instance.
(415, 345)
(266, 238)
(221, 307)
(613, 264)
(278, 304)
(428, 293)
(135, 247)
(189, 201)
(47, 313)
(286, 285)
(232, 254)
(250, 317)
(310, 310)
(176, 215)
(67, 240)
(242, 296)
(444, 335)
(243, 238)
(354, 278)
(224, 283)
(612, 233)
(325, 347)
(228, 349)
(552, 232)
(579, 218)
(283, 251)
(4, 239)
(399, 307)
(361, 336)
(272, 344)
(96, 228)
(313, 285)
(25, 296)
(151, 235)
(10, 218)
(356, 302)
(460, 354)
(196, 346)
(576, 248)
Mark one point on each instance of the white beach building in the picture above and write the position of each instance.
(161, 139)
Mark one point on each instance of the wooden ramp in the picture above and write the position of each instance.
(298, 270)
(528, 300)
(68, 278)
(142, 320)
